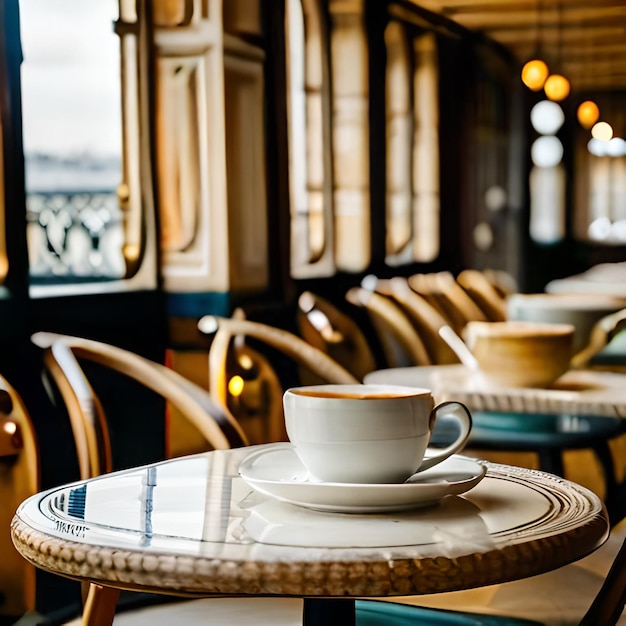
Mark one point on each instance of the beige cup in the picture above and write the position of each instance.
(368, 433)
(520, 354)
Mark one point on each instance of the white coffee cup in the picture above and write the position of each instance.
(368, 433)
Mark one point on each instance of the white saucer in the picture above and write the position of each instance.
(277, 471)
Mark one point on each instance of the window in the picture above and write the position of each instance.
(328, 137)
(310, 159)
(412, 211)
(88, 190)
(600, 205)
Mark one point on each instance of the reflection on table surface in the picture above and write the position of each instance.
(197, 520)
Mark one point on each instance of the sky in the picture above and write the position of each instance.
(70, 77)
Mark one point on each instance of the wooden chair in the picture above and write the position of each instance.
(608, 604)
(426, 319)
(87, 417)
(426, 287)
(442, 291)
(401, 343)
(227, 337)
(89, 423)
(589, 592)
(503, 282)
(484, 294)
(19, 479)
(325, 327)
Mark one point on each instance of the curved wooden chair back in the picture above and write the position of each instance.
(87, 418)
(503, 282)
(19, 479)
(423, 285)
(400, 342)
(484, 294)
(457, 301)
(426, 319)
(228, 334)
(89, 425)
(257, 399)
(325, 327)
(454, 302)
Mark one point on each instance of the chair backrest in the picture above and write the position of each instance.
(484, 294)
(454, 302)
(228, 334)
(19, 479)
(503, 282)
(401, 343)
(426, 318)
(87, 418)
(424, 285)
(327, 328)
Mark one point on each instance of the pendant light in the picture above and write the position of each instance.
(535, 71)
(556, 87)
(534, 74)
(587, 113)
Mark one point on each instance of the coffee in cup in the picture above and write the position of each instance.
(368, 433)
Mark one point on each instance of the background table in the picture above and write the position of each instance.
(583, 409)
(191, 526)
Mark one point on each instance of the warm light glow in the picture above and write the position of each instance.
(10, 428)
(547, 151)
(602, 130)
(245, 361)
(556, 87)
(600, 229)
(235, 386)
(597, 147)
(588, 113)
(616, 147)
(547, 117)
(534, 74)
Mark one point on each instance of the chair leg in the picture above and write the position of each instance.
(99, 608)
(551, 460)
(613, 498)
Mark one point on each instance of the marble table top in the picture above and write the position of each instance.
(578, 392)
(193, 526)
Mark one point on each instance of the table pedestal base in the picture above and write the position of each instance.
(329, 612)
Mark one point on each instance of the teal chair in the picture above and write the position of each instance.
(340, 612)
(379, 613)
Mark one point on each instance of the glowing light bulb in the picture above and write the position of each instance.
(547, 117)
(587, 113)
(547, 151)
(245, 362)
(534, 74)
(556, 87)
(602, 130)
(235, 386)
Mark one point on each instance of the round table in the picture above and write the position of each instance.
(193, 527)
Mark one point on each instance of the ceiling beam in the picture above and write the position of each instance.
(548, 19)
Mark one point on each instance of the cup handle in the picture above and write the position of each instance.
(464, 417)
